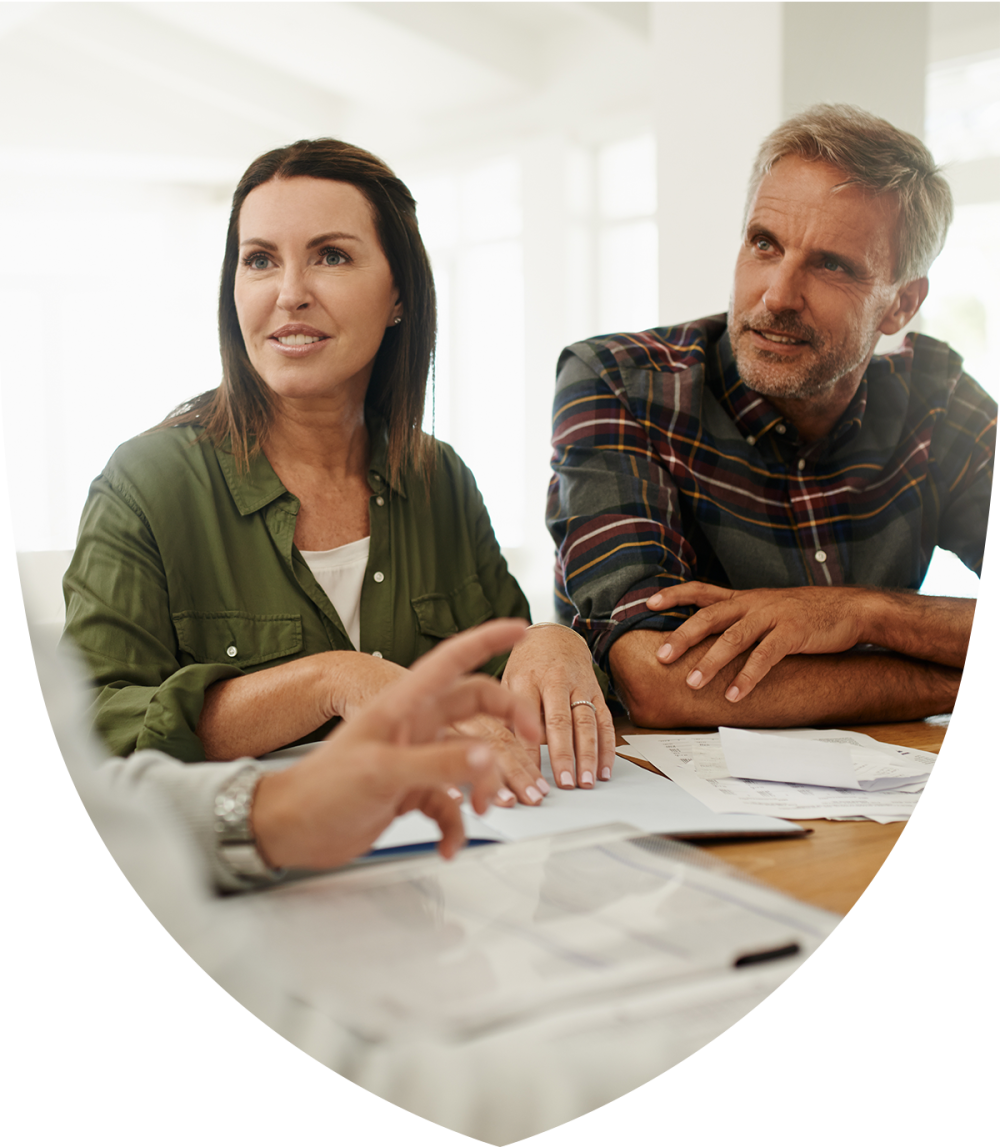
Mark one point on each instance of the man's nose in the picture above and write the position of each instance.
(785, 288)
(294, 292)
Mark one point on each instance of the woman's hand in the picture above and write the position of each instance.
(551, 668)
(518, 765)
(390, 758)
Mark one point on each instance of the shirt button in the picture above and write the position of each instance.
(231, 651)
(380, 501)
(821, 555)
(751, 441)
(375, 653)
(802, 463)
(780, 428)
(379, 576)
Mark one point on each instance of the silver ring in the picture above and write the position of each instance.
(573, 705)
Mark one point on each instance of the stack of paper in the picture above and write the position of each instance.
(800, 773)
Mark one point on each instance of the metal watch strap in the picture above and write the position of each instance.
(235, 842)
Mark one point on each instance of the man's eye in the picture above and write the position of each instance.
(831, 265)
(762, 244)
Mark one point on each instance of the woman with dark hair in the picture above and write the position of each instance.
(280, 548)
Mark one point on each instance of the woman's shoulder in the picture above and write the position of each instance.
(447, 461)
(159, 459)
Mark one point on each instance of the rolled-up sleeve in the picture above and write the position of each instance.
(118, 617)
(613, 509)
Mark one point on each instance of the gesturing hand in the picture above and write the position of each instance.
(807, 619)
(389, 758)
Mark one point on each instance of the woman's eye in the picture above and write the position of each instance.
(257, 262)
(332, 257)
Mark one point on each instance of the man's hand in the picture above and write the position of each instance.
(776, 623)
(780, 622)
(390, 758)
(551, 668)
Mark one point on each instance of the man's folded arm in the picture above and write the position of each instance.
(771, 624)
(854, 687)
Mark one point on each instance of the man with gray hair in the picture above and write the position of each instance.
(743, 505)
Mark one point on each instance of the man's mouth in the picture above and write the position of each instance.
(785, 340)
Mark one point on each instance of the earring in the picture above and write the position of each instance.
(397, 320)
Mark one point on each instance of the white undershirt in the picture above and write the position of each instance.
(341, 574)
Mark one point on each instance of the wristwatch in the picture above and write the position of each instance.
(237, 848)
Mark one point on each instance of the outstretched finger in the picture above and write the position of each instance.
(700, 593)
(475, 696)
(466, 651)
(708, 620)
(436, 672)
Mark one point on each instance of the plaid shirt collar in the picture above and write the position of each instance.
(755, 417)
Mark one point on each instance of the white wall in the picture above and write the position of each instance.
(131, 122)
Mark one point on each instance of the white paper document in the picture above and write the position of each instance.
(701, 765)
(830, 762)
(560, 925)
(633, 796)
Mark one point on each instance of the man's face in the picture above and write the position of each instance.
(814, 283)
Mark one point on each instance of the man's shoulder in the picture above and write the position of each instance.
(661, 349)
(935, 374)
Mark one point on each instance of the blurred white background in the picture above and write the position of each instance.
(579, 168)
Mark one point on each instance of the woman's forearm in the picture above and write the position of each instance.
(260, 712)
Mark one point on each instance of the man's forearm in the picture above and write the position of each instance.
(931, 628)
(834, 688)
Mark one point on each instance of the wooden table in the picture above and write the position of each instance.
(835, 863)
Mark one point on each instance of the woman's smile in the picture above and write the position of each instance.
(295, 340)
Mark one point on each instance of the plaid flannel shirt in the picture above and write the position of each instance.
(669, 469)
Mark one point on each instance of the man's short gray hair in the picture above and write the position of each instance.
(877, 156)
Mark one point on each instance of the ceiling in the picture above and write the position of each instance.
(186, 91)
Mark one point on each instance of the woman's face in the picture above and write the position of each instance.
(314, 293)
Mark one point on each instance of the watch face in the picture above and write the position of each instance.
(233, 804)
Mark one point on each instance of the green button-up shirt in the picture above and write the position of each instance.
(185, 573)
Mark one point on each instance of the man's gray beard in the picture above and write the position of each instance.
(808, 381)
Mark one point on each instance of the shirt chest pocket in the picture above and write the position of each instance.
(440, 615)
(235, 638)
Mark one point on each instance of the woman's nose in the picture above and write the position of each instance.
(294, 293)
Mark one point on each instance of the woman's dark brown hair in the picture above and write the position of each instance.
(240, 410)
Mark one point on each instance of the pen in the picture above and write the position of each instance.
(769, 954)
